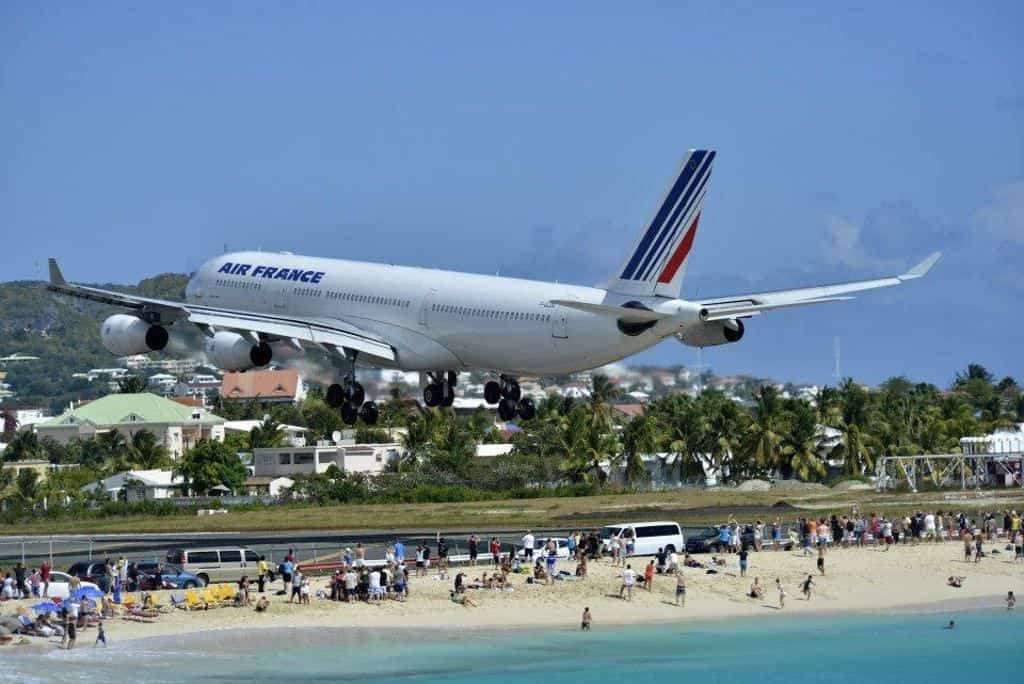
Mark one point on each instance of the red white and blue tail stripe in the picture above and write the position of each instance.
(658, 260)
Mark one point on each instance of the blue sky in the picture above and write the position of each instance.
(534, 140)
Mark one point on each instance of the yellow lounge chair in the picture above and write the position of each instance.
(210, 599)
(227, 593)
(193, 601)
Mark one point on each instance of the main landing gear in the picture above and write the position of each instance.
(509, 398)
(350, 397)
(440, 389)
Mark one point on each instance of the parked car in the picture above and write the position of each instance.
(648, 537)
(60, 585)
(92, 572)
(172, 576)
(216, 564)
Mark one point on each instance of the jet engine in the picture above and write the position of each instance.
(126, 335)
(233, 352)
(712, 333)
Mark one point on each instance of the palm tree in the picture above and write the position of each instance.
(146, 452)
(800, 446)
(114, 450)
(266, 434)
(855, 451)
(641, 436)
(763, 440)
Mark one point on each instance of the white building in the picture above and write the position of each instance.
(139, 485)
(369, 459)
(173, 366)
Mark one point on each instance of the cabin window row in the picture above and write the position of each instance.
(490, 313)
(369, 299)
(238, 284)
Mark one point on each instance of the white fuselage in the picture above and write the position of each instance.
(438, 320)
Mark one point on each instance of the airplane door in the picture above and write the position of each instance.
(559, 326)
(428, 301)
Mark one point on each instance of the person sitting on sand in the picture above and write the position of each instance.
(262, 605)
(956, 581)
(538, 572)
(756, 591)
(461, 599)
(718, 560)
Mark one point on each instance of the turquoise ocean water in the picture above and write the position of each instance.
(985, 646)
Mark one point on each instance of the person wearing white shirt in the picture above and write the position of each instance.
(528, 542)
(628, 580)
(673, 562)
(375, 590)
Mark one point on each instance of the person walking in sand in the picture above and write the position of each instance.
(821, 559)
(1011, 600)
(806, 587)
(586, 620)
(649, 576)
(743, 561)
(101, 637)
(782, 593)
(680, 589)
(628, 580)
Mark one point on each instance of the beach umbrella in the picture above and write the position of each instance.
(86, 592)
(46, 607)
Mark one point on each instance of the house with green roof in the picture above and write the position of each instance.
(177, 426)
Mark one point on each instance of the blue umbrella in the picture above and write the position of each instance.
(86, 592)
(46, 607)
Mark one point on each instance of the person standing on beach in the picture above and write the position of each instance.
(1011, 600)
(261, 569)
(782, 593)
(101, 636)
(806, 586)
(495, 549)
(473, 542)
(528, 542)
(680, 589)
(821, 559)
(649, 576)
(628, 580)
(296, 586)
(743, 561)
(586, 620)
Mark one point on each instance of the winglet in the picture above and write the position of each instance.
(56, 277)
(922, 268)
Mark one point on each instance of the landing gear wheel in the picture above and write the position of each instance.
(449, 399)
(511, 390)
(432, 395)
(526, 409)
(349, 413)
(369, 413)
(335, 395)
(492, 392)
(453, 379)
(506, 409)
(356, 394)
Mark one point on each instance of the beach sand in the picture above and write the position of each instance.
(911, 578)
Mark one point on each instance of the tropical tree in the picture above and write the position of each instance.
(603, 394)
(146, 453)
(209, 464)
(266, 434)
(763, 439)
(23, 447)
(642, 435)
(800, 445)
(132, 384)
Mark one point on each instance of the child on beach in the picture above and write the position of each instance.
(1011, 601)
(806, 586)
(680, 589)
(782, 593)
(756, 591)
(821, 559)
(101, 636)
(586, 620)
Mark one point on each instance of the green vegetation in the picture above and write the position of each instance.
(64, 334)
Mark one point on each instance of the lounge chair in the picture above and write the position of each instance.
(194, 601)
(227, 593)
(210, 599)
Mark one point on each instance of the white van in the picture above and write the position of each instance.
(648, 537)
(217, 565)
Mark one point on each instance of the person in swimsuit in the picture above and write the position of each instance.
(585, 622)
(680, 589)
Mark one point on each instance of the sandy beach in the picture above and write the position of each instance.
(911, 578)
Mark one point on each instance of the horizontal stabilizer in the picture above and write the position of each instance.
(622, 313)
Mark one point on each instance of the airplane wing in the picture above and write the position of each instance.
(744, 306)
(331, 334)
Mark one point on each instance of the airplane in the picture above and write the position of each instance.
(254, 307)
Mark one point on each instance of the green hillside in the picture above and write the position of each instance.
(64, 334)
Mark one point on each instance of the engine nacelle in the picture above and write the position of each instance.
(127, 335)
(233, 352)
(712, 333)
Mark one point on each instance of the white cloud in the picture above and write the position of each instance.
(845, 246)
(1003, 217)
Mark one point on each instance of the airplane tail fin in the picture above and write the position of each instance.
(657, 263)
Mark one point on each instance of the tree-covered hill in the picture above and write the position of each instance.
(64, 334)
